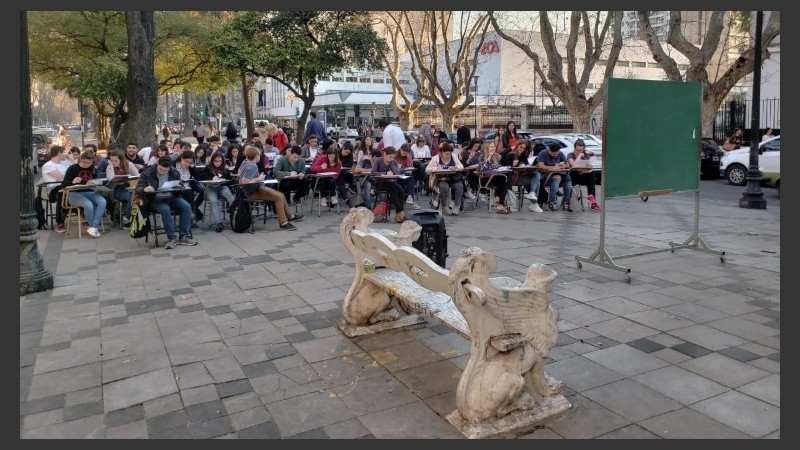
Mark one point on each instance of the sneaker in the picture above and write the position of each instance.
(535, 208)
(551, 206)
(60, 228)
(126, 222)
(400, 217)
(448, 211)
(334, 201)
(324, 202)
(94, 232)
(186, 240)
(595, 207)
(434, 204)
(456, 211)
(173, 242)
(414, 206)
(220, 226)
(591, 199)
(531, 196)
(288, 227)
(566, 206)
(409, 200)
(470, 195)
(296, 218)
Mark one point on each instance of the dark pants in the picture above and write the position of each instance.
(396, 194)
(300, 188)
(500, 185)
(55, 196)
(586, 179)
(330, 186)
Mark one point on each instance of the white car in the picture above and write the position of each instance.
(567, 143)
(733, 164)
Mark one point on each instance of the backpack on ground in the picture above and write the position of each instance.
(241, 216)
(140, 225)
(380, 211)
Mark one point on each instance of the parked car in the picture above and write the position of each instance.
(523, 134)
(567, 143)
(41, 147)
(710, 156)
(734, 164)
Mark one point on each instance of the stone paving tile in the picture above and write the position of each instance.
(742, 412)
(629, 432)
(42, 404)
(767, 389)
(83, 410)
(411, 419)
(680, 384)
(250, 417)
(267, 430)
(133, 430)
(348, 429)
(625, 360)
(87, 428)
(707, 337)
(585, 420)
(686, 423)
(631, 400)
(581, 373)
(404, 356)
(138, 389)
(724, 370)
(124, 416)
(199, 394)
(307, 412)
(64, 381)
(374, 394)
(162, 405)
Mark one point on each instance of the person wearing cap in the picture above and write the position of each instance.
(553, 163)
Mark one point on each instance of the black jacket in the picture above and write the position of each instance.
(149, 177)
(463, 135)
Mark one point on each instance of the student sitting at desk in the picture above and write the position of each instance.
(364, 168)
(257, 190)
(329, 186)
(292, 165)
(93, 204)
(553, 163)
(406, 163)
(190, 175)
(487, 168)
(215, 171)
(585, 175)
(153, 178)
(386, 165)
(442, 163)
(120, 166)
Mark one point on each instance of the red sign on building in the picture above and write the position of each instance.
(490, 47)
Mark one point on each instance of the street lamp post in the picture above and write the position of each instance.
(33, 277)
(476, 105)
(753, 197)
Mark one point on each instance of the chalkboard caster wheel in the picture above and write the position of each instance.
(645, 198)
(580, 266)
(722, 259)
(627, 278)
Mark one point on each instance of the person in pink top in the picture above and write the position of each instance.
(329, 163)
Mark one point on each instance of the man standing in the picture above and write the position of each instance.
(392, 135)
(314, 127)
(288, 130)
(200, 133)
(462, 133)
(425, 131)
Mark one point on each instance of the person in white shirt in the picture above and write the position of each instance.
(53, 171)
(421, 149)
(392, 135)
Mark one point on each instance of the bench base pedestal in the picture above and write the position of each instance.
(367, 330)
(513, 424)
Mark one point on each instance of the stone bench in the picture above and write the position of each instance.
(511, 326)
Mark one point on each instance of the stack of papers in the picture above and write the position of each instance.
(170, 185)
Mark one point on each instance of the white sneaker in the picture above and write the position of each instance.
(456, 211)
(470, 195)
(409, 200)
(531, 196)
(434, 204)
(94, 232)
(334, 201)
(535, 207)
(447, 211)
(324, 202)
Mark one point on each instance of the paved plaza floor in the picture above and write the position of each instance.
(236, 337)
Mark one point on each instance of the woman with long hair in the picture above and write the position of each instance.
(216, 171)
(486, 169)
(118, 165)
(510, 137)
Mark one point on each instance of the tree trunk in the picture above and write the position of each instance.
(102, 130)
(301, 122)
(581, 114)
(248, 110)
(141, 86)
(448, 115)
(406, 118)
(188, 120)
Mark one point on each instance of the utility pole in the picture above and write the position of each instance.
(753, 196)
(33, 277)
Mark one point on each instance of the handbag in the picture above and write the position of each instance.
(355, 200)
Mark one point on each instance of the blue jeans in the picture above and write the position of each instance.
(366, 192)
(182, 207)
(554, 182)
(93, 204)
(123, 195)
(536, 181)
(410, 182)
(212, 194)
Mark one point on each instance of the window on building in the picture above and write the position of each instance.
(638, 64)
(387, 81)
(350, 79)
(622, 63)
(404, 82)
(365, 80)
(653, 65)
(336, 78)
(602, 62)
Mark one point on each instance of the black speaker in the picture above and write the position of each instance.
(433, 237)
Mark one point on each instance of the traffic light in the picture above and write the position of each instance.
(202, 113)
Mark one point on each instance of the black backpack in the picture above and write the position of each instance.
(140, 225)
(241, 216)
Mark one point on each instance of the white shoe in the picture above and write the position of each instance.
(456, 211)
(470, 195)
(334, 201)
(434, 204)
(324, 202)
(447, 211)
(535, 207)
(531, 196)
(94, 232)
(409, 200)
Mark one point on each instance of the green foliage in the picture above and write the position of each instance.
(740, 21)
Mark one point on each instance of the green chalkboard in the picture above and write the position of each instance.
(652, 137)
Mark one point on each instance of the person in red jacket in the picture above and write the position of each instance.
(277, 135)
(329, 162)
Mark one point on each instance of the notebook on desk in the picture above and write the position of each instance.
(581, 164)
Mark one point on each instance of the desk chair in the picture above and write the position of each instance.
(299, 204)
(43, 195)
(316, 192)
(485, 187)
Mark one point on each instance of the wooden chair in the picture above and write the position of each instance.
(69, 208)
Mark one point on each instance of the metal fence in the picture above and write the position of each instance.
(738, 114)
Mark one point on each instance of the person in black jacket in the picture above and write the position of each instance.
(230, 132)
(93, 204)
(154, 177)
(462, 133)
